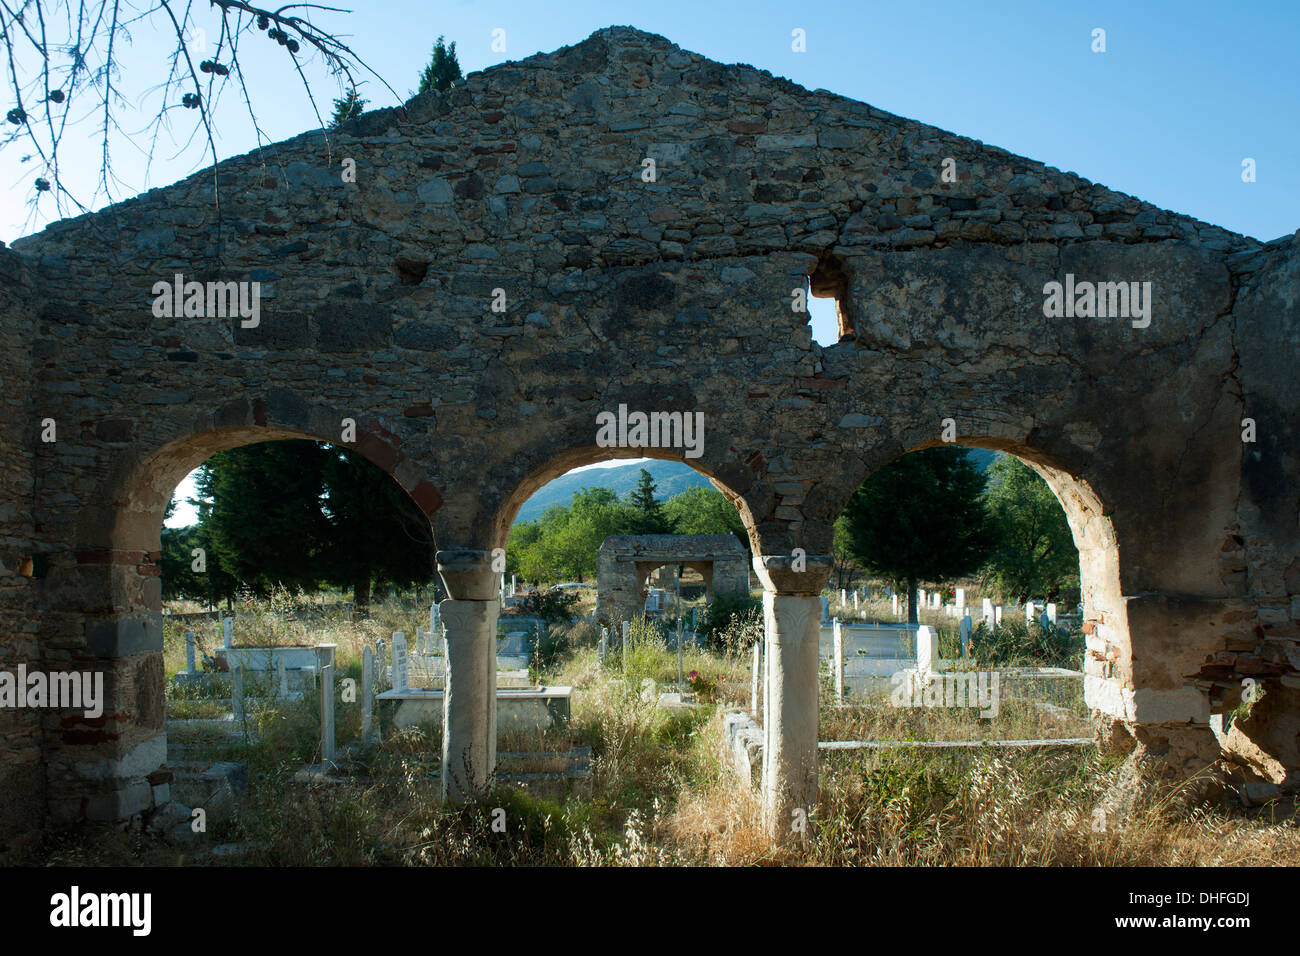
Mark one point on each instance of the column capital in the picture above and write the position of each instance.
(793, 574)
(467, 574)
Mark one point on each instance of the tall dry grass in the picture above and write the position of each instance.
(661, 794)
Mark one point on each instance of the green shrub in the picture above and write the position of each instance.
(551, 606)
(730, 622)
(1018, 642)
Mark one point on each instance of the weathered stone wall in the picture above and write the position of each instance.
(22, 776)
(669, 295)
(625, 562)
(1261, 555)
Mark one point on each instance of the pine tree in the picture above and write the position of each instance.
(647, 514)
(349, 106)
(377, 536)
(921, 517)
(443, 70)
(265, 525)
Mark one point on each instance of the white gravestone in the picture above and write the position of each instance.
(401, 672)
(838, 661)
(237, 695)
(367, 695)
(325, 659)
(1051, 613)
(924, 649)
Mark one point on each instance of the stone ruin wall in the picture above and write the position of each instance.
(672, 294)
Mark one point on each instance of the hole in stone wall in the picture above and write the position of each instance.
(828, 288)
(410, 271)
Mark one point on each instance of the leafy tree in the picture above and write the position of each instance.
(376, 535)
(443, 70)
(921, 517)
(265, 524)
(842, 563)
(701, 510)
(301, 513)
(349, 106)
(1034, 551)
(646, 514)
(179, 579)
(563, 542)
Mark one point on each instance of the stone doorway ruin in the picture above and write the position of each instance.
(625, 562)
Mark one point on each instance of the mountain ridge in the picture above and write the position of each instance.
(670, 478)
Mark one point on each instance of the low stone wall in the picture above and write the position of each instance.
(742, 746)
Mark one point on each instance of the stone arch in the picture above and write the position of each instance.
(110, 587)
(1125, 684)
(537, 474)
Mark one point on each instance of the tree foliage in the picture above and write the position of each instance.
(701, 510)
(1034, 551)
(645, 513)
(562, 543)
(349, 106)
(443, 70)
(298, 514)
(921, 517)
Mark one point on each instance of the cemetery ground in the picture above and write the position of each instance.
(660, 790)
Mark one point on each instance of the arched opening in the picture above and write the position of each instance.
(569, 518)
(254, 673)
(574, 459)
(975, 603)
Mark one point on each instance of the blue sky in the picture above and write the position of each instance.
(1183, 93)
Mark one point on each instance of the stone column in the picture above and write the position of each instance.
(792, 616)
(469, 620)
